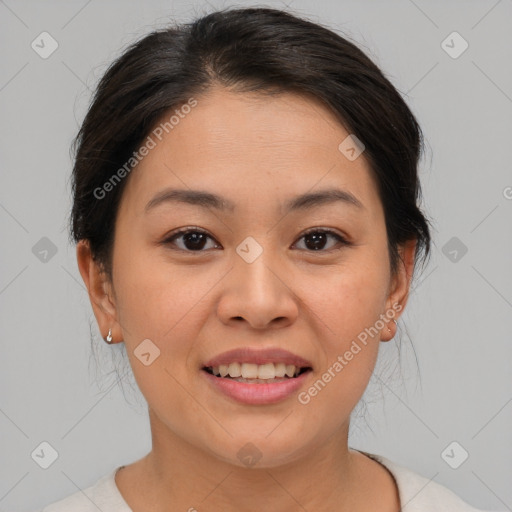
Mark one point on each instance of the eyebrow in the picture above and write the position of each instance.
(208, 200)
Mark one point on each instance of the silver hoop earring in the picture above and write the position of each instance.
(395, 323)
(108, 339)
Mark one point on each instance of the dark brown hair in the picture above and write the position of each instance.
(246, 50)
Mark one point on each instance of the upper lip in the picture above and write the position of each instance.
(258, 356)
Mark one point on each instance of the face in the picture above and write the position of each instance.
(260, 273)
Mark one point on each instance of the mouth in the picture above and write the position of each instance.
(257, 376)
(251, 373)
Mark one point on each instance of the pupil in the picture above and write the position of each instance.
(318, 240)
(197, 240)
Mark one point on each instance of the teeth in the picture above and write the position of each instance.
(254, 371)
(280, 369)
(235, 370)
(290, 370)
(266, 371)
(249, 371)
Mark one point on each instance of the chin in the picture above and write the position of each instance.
(261, 451)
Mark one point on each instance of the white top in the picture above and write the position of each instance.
(417, 494)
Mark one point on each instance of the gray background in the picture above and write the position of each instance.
(52, 389)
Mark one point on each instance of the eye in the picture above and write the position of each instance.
(316, 238)
(194, 240)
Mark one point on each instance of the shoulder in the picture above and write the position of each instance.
(419, 494)
(102, 495)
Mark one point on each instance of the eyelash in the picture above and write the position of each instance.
(343, 241)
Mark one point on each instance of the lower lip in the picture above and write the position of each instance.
(257, 393)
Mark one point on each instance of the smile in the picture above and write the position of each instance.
(250, 372)
(251, 383)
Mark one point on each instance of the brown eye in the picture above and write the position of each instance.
(195, 240)
(192, 240)
(317, 239)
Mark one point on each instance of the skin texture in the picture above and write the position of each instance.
(258, 152)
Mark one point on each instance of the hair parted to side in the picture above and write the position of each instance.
(262, 50)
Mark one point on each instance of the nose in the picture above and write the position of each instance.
(259, 293)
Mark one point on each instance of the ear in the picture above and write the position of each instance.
(400, 286)
(100, 291)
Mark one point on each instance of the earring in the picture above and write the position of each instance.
(108, 339)
(396, 323)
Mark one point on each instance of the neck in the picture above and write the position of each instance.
(179, 474)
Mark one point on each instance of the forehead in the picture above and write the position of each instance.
(250, 147)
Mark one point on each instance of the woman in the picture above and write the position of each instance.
(246, 218)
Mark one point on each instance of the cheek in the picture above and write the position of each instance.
(156, 298)
(349, 298)
(164, 308)
(158, 303)
(349, 307)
